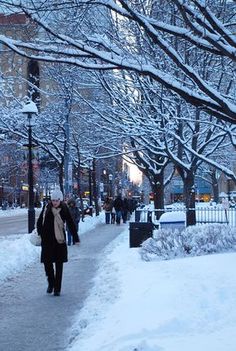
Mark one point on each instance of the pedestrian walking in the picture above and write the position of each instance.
(118, 205)
(107, 206)
(113, 215)
(75, 214)
(51, 228)
(125, 210)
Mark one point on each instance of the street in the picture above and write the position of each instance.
(33, 320)
(17, 224)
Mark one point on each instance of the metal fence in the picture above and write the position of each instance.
(203, 215)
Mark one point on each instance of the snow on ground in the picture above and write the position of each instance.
(12, 246)
(13, 212)
(176, 305)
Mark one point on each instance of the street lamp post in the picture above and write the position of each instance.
(29, 109)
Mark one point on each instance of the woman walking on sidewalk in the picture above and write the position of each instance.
(50, 226)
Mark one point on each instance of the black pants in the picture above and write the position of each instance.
(54, 279)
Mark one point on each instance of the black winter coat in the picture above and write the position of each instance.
(52, 251)
(118, 204)
(75, 214)
(125, 205)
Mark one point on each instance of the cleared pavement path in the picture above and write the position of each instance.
(30, 319)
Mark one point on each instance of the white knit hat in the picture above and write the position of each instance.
(57, 194)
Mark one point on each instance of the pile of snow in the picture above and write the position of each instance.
(16, 253)
(193, 241)
(13, 212)
(175, 305)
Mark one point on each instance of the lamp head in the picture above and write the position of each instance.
(30, 107)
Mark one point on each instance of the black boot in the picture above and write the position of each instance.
(49, 289)
(58, 278)
(50, 285)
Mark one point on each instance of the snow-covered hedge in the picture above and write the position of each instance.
(193, 241)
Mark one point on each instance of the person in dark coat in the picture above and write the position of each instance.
(75, 214)
(125, 210)
(118, 206)
(50, 226)
(107, 206)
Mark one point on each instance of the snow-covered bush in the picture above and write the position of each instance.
(193, 241)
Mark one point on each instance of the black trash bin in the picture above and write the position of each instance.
(139, 232)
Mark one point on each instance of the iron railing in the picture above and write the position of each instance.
(203, 214)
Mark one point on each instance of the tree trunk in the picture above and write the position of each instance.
(158, 191)
(61, 173)
(189, 195)
(215, 187)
